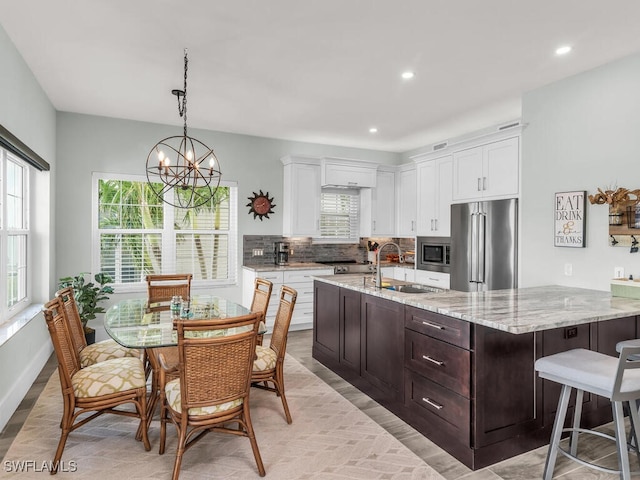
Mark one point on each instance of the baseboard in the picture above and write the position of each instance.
(16, 393)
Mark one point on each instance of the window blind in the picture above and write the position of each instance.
(339, 215)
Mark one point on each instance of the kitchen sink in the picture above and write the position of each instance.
(415, 288)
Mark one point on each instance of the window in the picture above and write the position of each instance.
(14, 235)
(339, 215)
(136, 234)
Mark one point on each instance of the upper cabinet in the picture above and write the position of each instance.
(407, 201)
(378, 205)
(487, 171)
(301, 197)
(434, 196)
(339, 172)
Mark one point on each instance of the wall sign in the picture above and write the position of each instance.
(569, 219)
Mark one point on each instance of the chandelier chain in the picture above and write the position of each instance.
(184, 98)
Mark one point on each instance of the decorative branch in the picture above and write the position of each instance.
(615, 197)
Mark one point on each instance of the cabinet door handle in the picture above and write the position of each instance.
(412, 223)
(435, 221)
(479, 184)
(484, 183)
(433, 360)
(374, 225)
(434, 325)
(432, 403)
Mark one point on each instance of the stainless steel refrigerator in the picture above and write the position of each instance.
(484, 245)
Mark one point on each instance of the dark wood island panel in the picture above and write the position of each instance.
(469, 388)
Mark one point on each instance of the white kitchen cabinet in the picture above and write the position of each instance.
(487, 171)
(432, 279)
(300, 280)
(301, 197)
(344, 172)
(434, 192)
(407, 195)
(404, 274)
(378, 205)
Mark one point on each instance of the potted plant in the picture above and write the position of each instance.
(88, 295)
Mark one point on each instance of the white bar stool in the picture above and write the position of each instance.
(617, 379)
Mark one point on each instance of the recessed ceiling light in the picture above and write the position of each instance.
(373, 130)
(563, 50)
(408, 75)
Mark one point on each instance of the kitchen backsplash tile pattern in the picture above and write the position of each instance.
(303, 250)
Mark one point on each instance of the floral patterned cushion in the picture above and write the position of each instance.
(105, 350)
(110, 376)
(172, 392)
(265, 359)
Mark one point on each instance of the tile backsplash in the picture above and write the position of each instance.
(305, 251)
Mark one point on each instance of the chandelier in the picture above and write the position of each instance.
(181, 170)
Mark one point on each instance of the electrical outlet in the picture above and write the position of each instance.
(291, 252)
(568, 269)
(618, 272)
(258, 252)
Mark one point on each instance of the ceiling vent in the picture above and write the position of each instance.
(440, 146)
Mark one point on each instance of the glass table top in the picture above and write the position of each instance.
(133, 324)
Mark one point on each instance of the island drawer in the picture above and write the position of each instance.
(437, 407)
(445, 364)
(442, 327)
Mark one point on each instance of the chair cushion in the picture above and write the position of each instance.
(172, 393)
(110, 376)
(587, 370)
(265, 359)
(105, 350)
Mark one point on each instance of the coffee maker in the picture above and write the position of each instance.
(281, 252)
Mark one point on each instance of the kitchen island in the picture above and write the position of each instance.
(458, 366)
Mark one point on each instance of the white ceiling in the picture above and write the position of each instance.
(320, 71)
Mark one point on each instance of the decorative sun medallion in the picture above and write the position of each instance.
(260, 205)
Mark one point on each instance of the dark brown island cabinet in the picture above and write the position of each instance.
(470, 389)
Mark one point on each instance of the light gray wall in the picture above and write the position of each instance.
(27, 113)
(581, 133)
(90, 143)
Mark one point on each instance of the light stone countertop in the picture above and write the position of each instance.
(291, 266)
(520, 310)
(311, 266)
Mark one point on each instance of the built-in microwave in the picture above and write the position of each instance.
(433, 253)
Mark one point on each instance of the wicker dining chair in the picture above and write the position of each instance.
(161, 288)
(96, 352)
(268, 366)
(260, 303)
(212, 391)
(97, 388)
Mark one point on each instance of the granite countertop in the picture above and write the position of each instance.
(291, 266)
(521, 310)
(311, 266)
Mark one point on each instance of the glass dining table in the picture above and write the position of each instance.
(135, 323)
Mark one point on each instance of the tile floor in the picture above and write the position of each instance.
(524, 467)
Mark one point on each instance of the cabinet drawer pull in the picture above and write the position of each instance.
(432, 360)
(434, 325)
(432, 403)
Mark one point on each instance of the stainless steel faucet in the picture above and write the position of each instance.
(378, 271)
